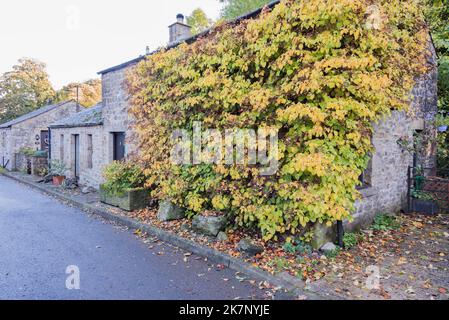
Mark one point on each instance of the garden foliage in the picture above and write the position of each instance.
(121, 177)
(322, 72)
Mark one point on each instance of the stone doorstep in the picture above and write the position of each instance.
(294, 286)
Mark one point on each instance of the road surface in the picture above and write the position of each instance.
(44, 243)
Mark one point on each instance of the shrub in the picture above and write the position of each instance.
(423, 195)
(443, 143)
(121, 176)
(385, 222)
(314, 70)
(27, 151)
(42, 172)
(350, 240)
(297, 247)
(280, 264)
(332, 254)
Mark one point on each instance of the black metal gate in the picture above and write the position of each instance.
(428, 190)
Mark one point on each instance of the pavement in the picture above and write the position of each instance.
(43, 243)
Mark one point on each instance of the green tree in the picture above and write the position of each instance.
(89, 92)
(24, 89)
(235, 8)
(437, 17)
(199, 21)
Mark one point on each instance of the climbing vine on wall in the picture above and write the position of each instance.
(320, 71)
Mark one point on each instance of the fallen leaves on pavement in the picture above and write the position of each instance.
(412, 260)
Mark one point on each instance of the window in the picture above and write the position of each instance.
(61, 147)
(3, 139)
(90, 151)
(417, 148)
(365, 177)
(118, 152)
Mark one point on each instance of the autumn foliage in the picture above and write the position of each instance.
(320, 71)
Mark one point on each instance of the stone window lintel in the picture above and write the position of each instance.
(368, 192)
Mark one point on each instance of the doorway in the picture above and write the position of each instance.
(44, 140)
(76, 155)
(118, 146)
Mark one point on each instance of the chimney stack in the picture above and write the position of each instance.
(179, 30)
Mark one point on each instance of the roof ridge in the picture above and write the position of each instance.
(34, 113)
(92, 116)
(191, 39)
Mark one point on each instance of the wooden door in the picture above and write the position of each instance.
(44, 140)
(119, 146)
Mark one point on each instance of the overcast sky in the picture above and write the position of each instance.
(78, 38)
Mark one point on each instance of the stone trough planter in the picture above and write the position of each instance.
(425, 207)
(131, 200)
(39, 165)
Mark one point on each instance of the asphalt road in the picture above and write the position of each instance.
(41, 237)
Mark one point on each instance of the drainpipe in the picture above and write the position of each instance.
(409, 189)
(49, 148)
(340, 233)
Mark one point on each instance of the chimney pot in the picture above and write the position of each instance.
(180, 18)
(179, 30)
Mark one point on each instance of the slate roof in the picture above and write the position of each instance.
(33, 114)
(88, 118)
(192, 39)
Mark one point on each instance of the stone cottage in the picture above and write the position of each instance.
(79, 142)
(30, 131)
(384, 183)
(88, 141)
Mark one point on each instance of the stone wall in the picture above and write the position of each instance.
(115, 119)
(23, 134)
(387, 190)
(92, 161)
(22, 163)
(39, 166)
(115, 108)
(4, 147)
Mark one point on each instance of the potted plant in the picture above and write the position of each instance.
(419, 178)
(58, 170)
(424, 202)
(124, 186)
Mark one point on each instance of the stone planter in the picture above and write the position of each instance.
(58, 180)
(425, 207)
(39, 166)
(130, 200)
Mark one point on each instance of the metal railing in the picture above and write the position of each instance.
(428, 190)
